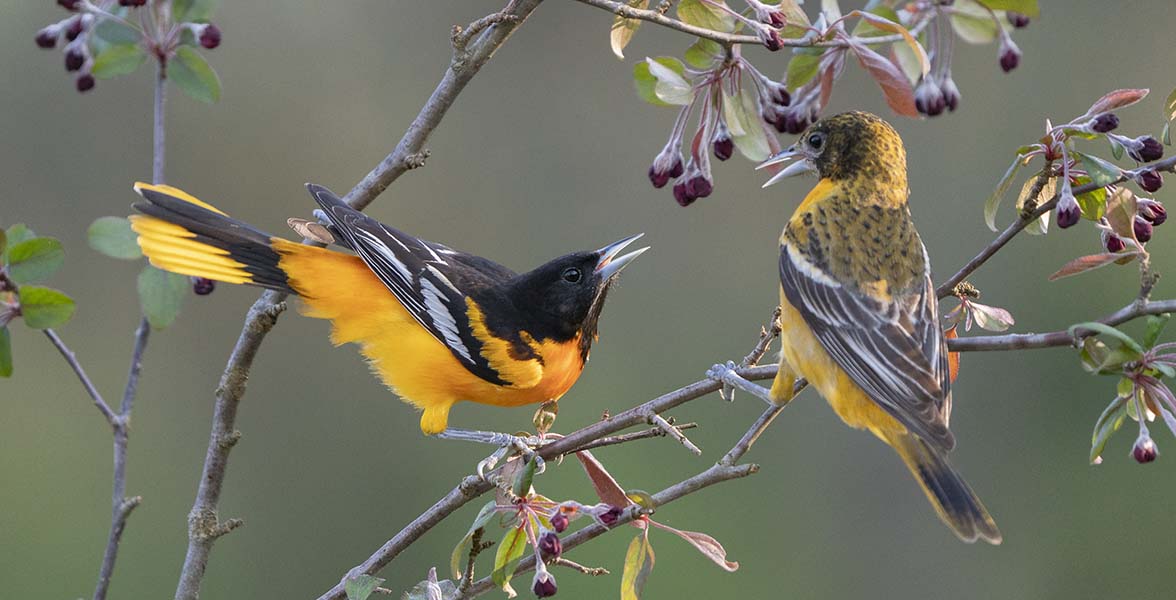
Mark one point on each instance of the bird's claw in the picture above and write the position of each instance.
(726, 374)
(718, 372)
(512, 444)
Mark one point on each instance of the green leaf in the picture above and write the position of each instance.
(3, 242)
(463, 546)
(706, 15)
(1155, 326)
(113, 237)
(193, 10)
(510, 551)
(802, 68)
(1100, 171)
(16, 234)
(1026, 7)
(115, 33)
(1002, 186)
(1108, 422)
(741, 114)
(623, 29)
(643, 499)
(1100, 359)
(1116, 149)
(645, 81)
(35, 259)
(116, 60)
(1166, 134)
(522, 483)
(44, 307)
(1170, 107)
(1103, 329)
(865, 29)
(703, 53)
(638, 565)
(1121, 211)
(973, 23)
(194, 77)
(1093, 204)
(360, 587)
(1040, 226)
(671, 87)
(5, 352)
(161, 294)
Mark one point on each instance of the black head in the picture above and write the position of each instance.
(564, 297)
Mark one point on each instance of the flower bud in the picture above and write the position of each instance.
(1150, 180)
(682, 195)
(1104, 122)
(1018, 20)
(132, 3)
(559, 522)
(85, 82)
(74, 59)
(666, 165)
(71, 5)
(1010, 55)
(1153, 211)
(951, 93)
(700, 186)
(776, 93)
(770, 38)
(210, 36)
(723, 145)
(543, 585)
(74, 28)
(610, 516)
(1144, 450)
(1146, 149)
(929, 98)
(1114, 243)
(203, 286)
(549, 546)
(1143, 229)
(1067, 211)
(47, 37)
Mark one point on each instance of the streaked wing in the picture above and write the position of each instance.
(423, 278)
(893, 350)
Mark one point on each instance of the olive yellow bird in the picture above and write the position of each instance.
(859, 316)
(438, 325)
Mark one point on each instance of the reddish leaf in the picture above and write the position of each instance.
(707, 545)
(953, 358)
(1083, 264)
(895, 86)
(1121, 211)
(1116, 99)
(990, 317)
(607, 488)
(885, 24)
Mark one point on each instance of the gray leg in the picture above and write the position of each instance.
(725, 374)
(509, 445)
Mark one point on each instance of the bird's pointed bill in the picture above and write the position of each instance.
(609, 263)
(802, 164)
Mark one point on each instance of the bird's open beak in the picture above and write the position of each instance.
(802, 164)
(609, 263)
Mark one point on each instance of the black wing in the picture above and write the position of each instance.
(894, 350)
(421, 275)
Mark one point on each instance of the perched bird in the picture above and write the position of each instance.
(859, 316)
(438, 325)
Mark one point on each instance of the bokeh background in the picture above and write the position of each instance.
(545, 153)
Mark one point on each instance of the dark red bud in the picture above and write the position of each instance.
(1009, 59)
(203, 286)
(611, 515)
(559, 522)
(1068, 214)
(85, 82)
(724, 147)
(1151, 150)
(1105, 122)
(73, 29)
(549, 546)
(1154, 212)
(69, 4)
(682, 195)
(1143, 229)
(659, 179)
(700, 186)
(211, 36)
(1115, 243)
(46, 38)
(74, 60)
(132, 3)
(772, 40)
(1150, 180)
(1018, 20)
(1144, 451)
(677, 170)
(544, 589)
(776, 19)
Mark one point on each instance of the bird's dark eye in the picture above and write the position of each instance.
(816, 140)
(572, 275)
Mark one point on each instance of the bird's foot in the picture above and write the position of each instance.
(727, 375)
(509, 445)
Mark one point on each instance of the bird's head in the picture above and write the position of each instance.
(846, 147)
(569, 291)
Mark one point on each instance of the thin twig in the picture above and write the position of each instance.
(1025, 341)
(728, 39)
(593, 571)
(675, 433)
(72, 359)
(652, 432)
(767, 334)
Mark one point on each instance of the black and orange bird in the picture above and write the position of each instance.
(437, 325)
(859, 315)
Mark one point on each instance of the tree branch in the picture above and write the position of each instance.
(203, 524)
(1025, 341)
(72, 360)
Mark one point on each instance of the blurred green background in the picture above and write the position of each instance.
(545, 153)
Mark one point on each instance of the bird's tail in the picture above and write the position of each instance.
(181, 234)
(954, 501)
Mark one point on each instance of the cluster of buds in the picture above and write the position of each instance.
(77, 30)
(203, 286)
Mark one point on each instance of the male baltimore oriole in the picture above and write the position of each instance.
(859, 315)
(438, 325)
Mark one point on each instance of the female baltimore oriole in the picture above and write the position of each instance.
(437, 325)
(859, 315)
